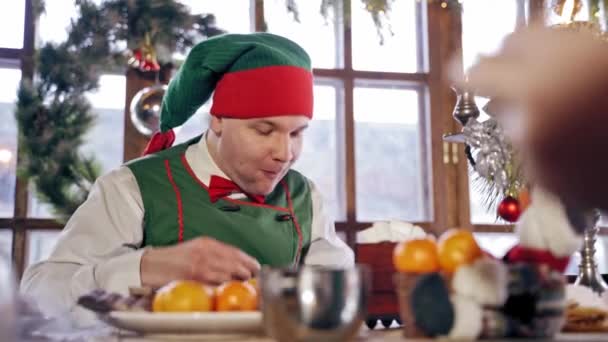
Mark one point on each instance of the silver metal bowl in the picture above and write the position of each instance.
(314, 303)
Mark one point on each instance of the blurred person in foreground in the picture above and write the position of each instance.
(557, 81)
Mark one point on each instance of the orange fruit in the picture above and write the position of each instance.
(236, 296)
(417, 256)
(457, 247)
(183, 296)
(253, 282)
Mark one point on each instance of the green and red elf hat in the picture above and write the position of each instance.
(250, 76)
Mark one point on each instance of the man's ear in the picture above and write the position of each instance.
(216, 125)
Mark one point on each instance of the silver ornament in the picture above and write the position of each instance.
(145, 109)
(501, 180)
(482, 166)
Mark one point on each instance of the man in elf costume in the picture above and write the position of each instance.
(216, 207)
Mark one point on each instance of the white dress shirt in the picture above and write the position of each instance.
(100, 244)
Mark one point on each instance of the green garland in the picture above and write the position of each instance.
(53, 113)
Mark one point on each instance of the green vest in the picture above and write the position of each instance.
(177, 208)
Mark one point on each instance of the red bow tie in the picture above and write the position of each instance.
(221, 187)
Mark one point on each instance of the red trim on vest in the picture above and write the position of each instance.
(235, 201)
(264, 92)
(178, 196)
(295, 221)
(521, 253)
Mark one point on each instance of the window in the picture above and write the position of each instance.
(399, 49)
(372, 146)
(55, 21)
(484, 25)
(391, 167)
(8, 140)
(40, 244)
(104, 140)
(234, 16)
(317, 35)
(6, 242)
(322, 148)
(372, 115)
(11, 24)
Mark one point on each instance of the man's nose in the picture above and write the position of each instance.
(282, 149)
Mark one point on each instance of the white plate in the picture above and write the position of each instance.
(187, 323)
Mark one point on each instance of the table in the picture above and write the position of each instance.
(377, 335)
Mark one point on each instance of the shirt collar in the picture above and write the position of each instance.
(201, 162)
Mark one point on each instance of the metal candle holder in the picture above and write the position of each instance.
(588, 274)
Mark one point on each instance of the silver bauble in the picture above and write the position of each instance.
(482, 166)
(145, 109)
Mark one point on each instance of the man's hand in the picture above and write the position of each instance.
(203, 259)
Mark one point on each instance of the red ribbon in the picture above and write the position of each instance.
(160, 141)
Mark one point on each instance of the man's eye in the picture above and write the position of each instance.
(264, 132)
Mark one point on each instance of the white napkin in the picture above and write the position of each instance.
(391, 231)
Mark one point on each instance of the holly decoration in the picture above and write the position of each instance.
(509, 209)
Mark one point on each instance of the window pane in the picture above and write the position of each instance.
(233, 16)
(319, 159)
(391, 167)
(108, 105)
(55, 21)
(484, 25)
(317, 35)
(8, 139)
(400, 51)
(11, 24)
(6, 242)
(40, 243)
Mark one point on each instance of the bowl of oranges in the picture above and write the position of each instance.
(419, 258)
(190, 307)
(192, 296)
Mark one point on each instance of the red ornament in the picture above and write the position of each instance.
(136, 59)
(144, 57)
(149, 65)
(509, 209)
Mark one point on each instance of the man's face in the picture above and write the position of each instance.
(257, 153)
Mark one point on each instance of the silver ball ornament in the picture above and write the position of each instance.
(146, 107)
